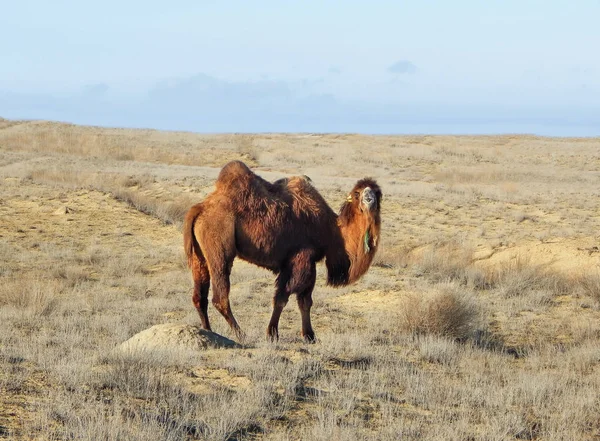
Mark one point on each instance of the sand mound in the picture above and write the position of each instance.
(569, 256)
(174, 336)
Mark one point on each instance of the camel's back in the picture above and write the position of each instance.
(251, 195)
(274, 219)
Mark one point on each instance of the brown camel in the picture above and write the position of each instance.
(285, 226)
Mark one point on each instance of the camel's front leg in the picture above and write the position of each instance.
(304, 304)
(298, 276)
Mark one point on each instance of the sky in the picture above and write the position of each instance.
(460, 66)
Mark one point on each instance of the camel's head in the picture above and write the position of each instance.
(366, 196)
(360, 222)
(365, 199)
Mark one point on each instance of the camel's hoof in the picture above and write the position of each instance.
(272, 335)
(310, 338)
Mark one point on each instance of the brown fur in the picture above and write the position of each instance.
(285, 226)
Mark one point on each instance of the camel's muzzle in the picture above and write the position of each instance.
(369, 199)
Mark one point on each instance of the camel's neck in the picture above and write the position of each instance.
(347, 262)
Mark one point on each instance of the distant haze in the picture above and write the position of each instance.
(266, 66)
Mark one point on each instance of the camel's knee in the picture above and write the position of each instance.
(305, 302)
(280, 300)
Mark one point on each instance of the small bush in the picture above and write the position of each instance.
(451, 261)
(591, 285)
(519, 276)
(34, 298)
(439, 350)
(448, 311)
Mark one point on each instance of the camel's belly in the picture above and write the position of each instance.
(272, 253)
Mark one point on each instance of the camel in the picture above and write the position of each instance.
(285, 226)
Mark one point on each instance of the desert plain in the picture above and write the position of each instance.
(478, 320)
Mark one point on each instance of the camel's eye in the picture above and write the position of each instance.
(356, 194)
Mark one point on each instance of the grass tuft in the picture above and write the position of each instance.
(448, 311)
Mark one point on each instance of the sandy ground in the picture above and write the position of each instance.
(506, 199)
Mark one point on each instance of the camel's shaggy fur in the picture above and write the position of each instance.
(285, 226)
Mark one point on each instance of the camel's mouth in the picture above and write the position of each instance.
(369, 200)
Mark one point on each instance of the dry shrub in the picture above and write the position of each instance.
(441, 350)
(34, 298)
(140, 181)
(93, 255)
(450, 261)
(171, 213)
(453, 262)
(6, 255)
(72, 275)
(149, 381)
(127, 189)
(590, 284)
(126, 266)
(174, 212)
(64, 177)
(519, 276)
(247, 150)
(446, 311)
(393, 255)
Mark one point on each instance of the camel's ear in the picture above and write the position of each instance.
(349, 198)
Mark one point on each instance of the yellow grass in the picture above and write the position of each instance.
(480, 318)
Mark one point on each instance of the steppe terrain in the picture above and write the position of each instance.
(480, 319)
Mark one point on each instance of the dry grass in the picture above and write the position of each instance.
(138, 192)
(478, 320)
(590, 284)
(447, 310)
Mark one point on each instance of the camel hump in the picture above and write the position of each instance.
(300, 184)
(232, 172)
(234, 169)
(293, 181)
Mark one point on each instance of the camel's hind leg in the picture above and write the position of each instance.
(201, 277)
(220, 299)
(218, 245)
(298, 276)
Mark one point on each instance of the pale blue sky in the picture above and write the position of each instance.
(310, 65)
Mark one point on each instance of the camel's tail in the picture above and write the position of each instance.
(190, 243)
